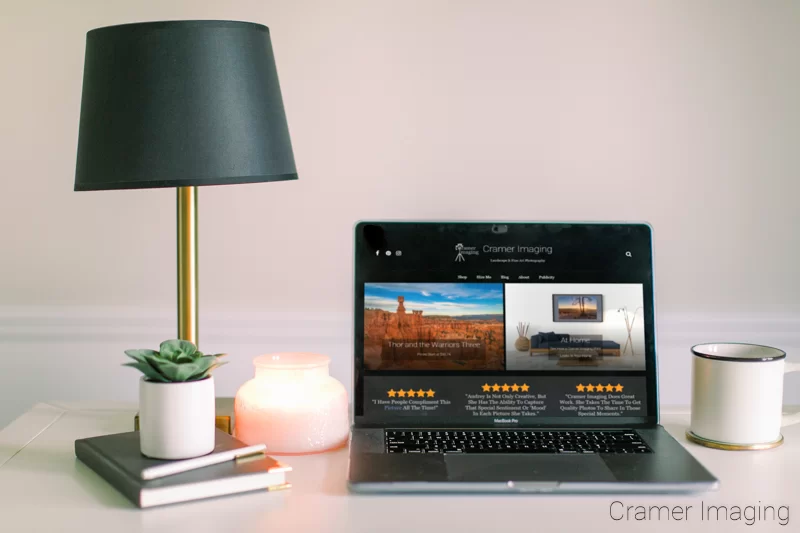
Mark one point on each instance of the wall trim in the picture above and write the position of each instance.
(98, 324)
(86, 342)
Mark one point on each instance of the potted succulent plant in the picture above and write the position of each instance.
(176, 400)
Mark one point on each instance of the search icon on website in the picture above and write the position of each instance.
(628, 254)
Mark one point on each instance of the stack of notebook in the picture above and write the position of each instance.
(118, 460)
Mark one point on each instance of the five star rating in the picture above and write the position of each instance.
(505, 387)
(411, 393)
(580, 387)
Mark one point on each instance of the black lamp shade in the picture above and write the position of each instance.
(184, 103)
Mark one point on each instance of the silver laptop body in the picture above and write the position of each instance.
(509, 357)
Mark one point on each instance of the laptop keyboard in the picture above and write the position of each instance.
(513, 441)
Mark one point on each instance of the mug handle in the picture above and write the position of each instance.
(788, 420)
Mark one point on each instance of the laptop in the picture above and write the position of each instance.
(509, 357)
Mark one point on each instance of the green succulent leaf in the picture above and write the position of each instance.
(217, 365)
(167, 368)
(207, 373)
(148, 371)
(186, 358)
(177, 361)
(160, 365)
(156, 359)
(185, 372)
(203, 364)
(171, 349)
(139, 355)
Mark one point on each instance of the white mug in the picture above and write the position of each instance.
(737, 396)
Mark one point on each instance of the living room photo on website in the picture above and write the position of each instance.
(574, 326)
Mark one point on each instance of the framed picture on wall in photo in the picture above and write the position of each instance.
(577, 308)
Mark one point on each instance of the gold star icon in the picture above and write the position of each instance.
(619, 387)
(514, 387)
(496, 387)
(392, 393)
(431, 392)
(524, 387)
(505, 387)
(411, 393)
(401, 393)
(486, 387)
(420, 393)
(609, 388)
(599, 388)
(590, 387)
(579, 387)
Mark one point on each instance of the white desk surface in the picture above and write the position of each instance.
(44, 488)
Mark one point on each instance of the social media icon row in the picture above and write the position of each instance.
(388, 253)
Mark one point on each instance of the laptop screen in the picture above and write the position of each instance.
(503, 324)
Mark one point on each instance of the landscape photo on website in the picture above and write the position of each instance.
(433, 326)
(575, 326)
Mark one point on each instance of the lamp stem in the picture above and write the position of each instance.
(187, 264)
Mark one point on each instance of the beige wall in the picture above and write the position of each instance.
(682, 113)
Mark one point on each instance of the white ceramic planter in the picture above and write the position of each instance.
(176, 420)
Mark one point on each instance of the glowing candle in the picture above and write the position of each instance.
(292, 405)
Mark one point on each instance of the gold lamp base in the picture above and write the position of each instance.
(187, 265)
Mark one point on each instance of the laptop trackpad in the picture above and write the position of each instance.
(527, 468)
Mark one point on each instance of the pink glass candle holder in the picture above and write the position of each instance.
(292, 405)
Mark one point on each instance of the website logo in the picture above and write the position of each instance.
(464, 250)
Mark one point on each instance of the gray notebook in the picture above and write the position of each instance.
(117, 459)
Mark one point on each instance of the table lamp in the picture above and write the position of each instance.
(181, 104)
